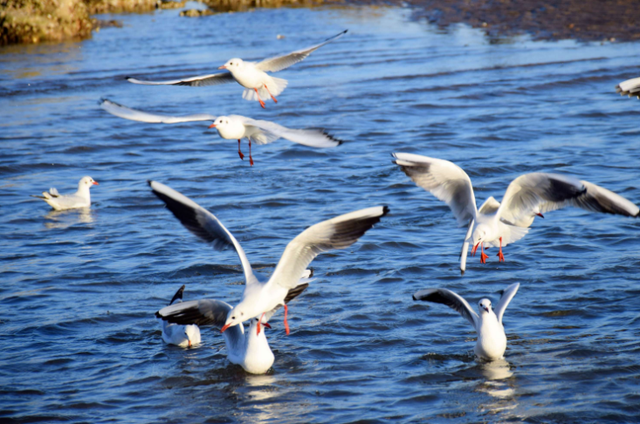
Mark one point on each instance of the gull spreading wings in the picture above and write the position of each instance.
(529, 195)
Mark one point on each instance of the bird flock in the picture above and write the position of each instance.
(493, 224)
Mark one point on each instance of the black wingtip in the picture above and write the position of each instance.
(150, 182)
(128, 78)
(385, 210)
(158, 315)
(178, 295)
(414, 297)
(102, 100)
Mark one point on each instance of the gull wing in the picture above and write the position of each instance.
(138, 115)
(444, 179)
(505, 297)
(630, 87)
(269, 131)
(275, 64)
(539, 192)
(199, 81)
(336, 233)
(452, 300)
(202, 223)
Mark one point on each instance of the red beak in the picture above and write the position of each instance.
(473, 252)
(212, 125)
(222, 67)
(95, 183)
(267, 325)
(224, 328)
(540, 215)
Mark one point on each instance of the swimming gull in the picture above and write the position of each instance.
(185, 335)
(79, 199)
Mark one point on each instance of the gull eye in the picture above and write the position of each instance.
(233, 317)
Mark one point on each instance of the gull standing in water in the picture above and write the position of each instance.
(492, 341)
(79, 199)
(527, 196)
(253, 76)
(262, 297)
(232, 127)
(180, 335)
(247, 348)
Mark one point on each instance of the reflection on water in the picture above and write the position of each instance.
(499, 385)
(65, 219)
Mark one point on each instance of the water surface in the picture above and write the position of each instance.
(79, 288)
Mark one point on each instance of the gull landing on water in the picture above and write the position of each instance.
(231, 127)
(262, 297)
(528, 195)
(180, 335)
(247, 348)
(492, 341)
(630, 87)
(80, 199)
(253, 76)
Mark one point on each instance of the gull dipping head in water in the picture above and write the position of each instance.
(253, 76)
(492, 341)
(180, 335)
(262, 296)
(248, 348)
(232, 127)
(79, 199)
(527, 196)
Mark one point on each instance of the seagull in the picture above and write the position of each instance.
(527, 196)
(231, 127)
(79, 199)
(630, 87)
(180, 335)
(492, 342)
(260, 297)
(249, 349)
(251, 75)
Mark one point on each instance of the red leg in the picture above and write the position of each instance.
(272, 98)
(259, 99)
(239, 152)
(286, 324)
(250, 158)
(500, 255)
(259, 321)
(483, 256)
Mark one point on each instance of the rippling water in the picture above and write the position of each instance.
(79, 289)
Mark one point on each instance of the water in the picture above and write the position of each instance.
(79, 289)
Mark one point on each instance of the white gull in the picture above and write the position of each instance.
(79, 199)
(180, 335)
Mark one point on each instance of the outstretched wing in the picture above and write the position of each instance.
(539, 192)
(271, 131)
(444, 179)
(202, 223)
(275, 64)
(199, 81)
(452, 300)
(199, 312)
(336, 233)
(505, 297)
(178, 295)
(138, 115)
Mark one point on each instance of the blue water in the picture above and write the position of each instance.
(79, 342)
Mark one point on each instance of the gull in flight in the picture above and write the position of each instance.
(528, 195)
(251, 75)
(79, 199)
(492, 342)
(184, 335)
(247, 348)
(630, 87)
(232, 127)
(261, 297)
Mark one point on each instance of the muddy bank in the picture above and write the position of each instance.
(590, 20)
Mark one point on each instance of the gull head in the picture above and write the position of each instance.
(87, 182)
(233, 64)
(234, 317)
(479, 236)
(228, 127)
(484, 306)
(190, 332)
